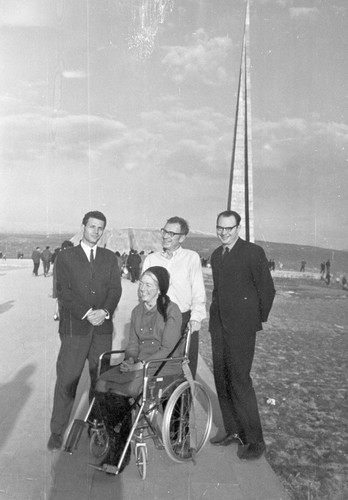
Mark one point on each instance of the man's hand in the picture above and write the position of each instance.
(96, 317)
(195, 326)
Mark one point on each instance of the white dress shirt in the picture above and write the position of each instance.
(186, 286)
(87, 249)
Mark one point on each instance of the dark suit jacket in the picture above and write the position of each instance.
(243, 289)
(79, 289)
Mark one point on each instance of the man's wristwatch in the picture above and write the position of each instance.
(107, 314)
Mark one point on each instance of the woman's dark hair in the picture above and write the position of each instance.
(162, 276)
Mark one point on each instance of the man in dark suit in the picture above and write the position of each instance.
(88, 289)
(242, 299)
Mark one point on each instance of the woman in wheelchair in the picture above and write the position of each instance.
(154, 332)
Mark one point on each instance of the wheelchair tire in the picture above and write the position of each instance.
(99, 443)
(141, 460)
(187, 422)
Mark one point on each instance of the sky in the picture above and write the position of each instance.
(127, 106)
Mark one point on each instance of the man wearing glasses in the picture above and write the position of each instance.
(186, 287)
(242, 298)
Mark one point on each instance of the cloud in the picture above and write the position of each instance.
(28, 136)
(26, 13)
(203, 60)
(300, 167)
(281, 3)
(277, 144)
(74, 74)
(303, 12)
(176, 154)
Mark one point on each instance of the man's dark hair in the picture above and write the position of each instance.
(94, 215)
(229, 213)
(184, 227)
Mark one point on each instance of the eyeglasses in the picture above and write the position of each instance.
(221, 229)
(170, 233)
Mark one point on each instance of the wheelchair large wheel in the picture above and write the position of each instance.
(99, 443)
(187, 422)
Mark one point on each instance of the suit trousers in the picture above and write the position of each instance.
(74, 351)
(232, 359)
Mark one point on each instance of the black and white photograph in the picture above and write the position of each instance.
(173, 184)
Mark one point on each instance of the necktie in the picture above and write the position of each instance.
(91, 259)
(226, 251)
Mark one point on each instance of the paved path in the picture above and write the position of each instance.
(28, 471)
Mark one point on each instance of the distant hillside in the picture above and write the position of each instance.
(11, 244)
(288, 254)
(291, 256)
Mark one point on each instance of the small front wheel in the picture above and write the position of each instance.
(140, 460)
(99, 443)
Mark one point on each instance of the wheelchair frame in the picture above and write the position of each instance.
(180, 433)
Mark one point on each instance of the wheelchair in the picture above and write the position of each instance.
(177, 417)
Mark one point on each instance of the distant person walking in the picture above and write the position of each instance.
(133, 264)
(242, 298)
(303, 266)
(328, 277)
(46, 257)
(344, 283)
(36, 257)
(322, 270)
(328, 271)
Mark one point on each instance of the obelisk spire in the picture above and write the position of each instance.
(240, 192)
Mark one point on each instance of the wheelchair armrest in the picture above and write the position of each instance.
(160, 360)
(107, 353)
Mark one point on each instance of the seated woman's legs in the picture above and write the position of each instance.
(117, 418)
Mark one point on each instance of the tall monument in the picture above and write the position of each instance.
(240, 191)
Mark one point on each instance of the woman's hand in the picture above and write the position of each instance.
(128, 365)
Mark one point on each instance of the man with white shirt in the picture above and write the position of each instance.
(88, 290)
(186, 287)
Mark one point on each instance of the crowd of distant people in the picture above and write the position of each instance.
(130, 264)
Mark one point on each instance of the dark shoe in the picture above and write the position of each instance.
(55, 442)
(226, 440)
(251, 451)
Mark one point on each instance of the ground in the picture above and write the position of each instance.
(300, 378)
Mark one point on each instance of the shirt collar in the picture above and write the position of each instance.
(87, 249)
(228, 246)
(166, 255)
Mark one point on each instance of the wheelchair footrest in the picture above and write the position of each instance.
(109, 469)
(74, 435)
